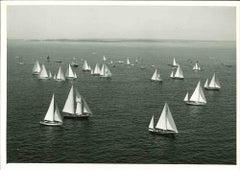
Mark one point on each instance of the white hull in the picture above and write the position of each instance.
(196, 103)
(43, 78)
(49, 123)
(59, 80)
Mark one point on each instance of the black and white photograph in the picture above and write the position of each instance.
(119, 83)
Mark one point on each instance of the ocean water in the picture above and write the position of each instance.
(123, 105)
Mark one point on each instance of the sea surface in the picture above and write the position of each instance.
(123, 105)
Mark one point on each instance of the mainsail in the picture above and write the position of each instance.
(214, 83)
(96, 70)
(60, 76)
(69, 72)
(198, 95)
(166, 121)
(179, 73)
(36, 68)
(43, 74)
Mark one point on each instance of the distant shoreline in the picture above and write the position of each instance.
(122, 40)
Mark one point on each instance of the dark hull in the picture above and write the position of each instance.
(166, 133)
(195, 103)
(214, 89)
(84, 117)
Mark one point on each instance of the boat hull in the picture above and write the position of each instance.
(167, 133)
(195, 103)
(157, 80)
(177, 78)
(104, 76)
(59, 80)
(49, 123)
(68, 116)
(212, 88)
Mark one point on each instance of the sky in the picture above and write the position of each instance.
(121, 22)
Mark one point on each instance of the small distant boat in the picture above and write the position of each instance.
(85, 66)
(120, 62)
(36, 68)
(69, 73)
(156, 76)
(105, 72)
(179, 73)
(74, 63)
(96, 70)
(104, 58)
(186, 98)
(136, 60)
(196, 67)
(214, 84)
(198, 97)
(128, 61)
(53, 116)
(174, 64)
(74, 99)
(165, 125)
(20, 60)
(54, 77)
(43, 75)
(60, 76)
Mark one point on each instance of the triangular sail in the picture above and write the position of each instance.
(104, 58)
(172, 75)
(206, 83)
(166, 121)
(107, 72)
(69, 104)
(69, 72)
(60, 75)
(57, 115)
(75, 75)
(174, 62)
(214, 82)
(154, 76)
(179, 72)
(50, 113)
(43, 73)
(128, 61)
(151, 124)
(85, 65)
(86, 108)
(50, 74)
(198, 95)
(79, 108)
(186, 97)
(36, 67)
(96, 70)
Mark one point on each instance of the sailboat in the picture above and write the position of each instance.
(128, 61)
(104, 58)
(85, 66)
(206, 83)
(179, 73)
(186, 98)
(36, 68)
(60, 76)
(214, 84)
(136, 60)
(175, 64)
(74, 63)
(105, 72)
(43, 75)
(69, 73)
(198, 97)
(165, 124)
(196, 67)
(53, 116)
(20, 61)
(96, 70)
(74, 99)
(156, 76)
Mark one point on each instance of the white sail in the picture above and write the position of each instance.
(206, 83)
(75, 75)
(186, 97)
(57, 115)
(85, 66)
(97, 70)
(179, 72)
(50, 75)
(151, 124)
(136, 61)
(54, 77)
(104, 58)
(128, 62)
(214, 83)
(50, 113)
(60, 75)
(36, 68)
(86, 108)
(198, 95)
(172, 75)
(166, 121)
(156, 76)
(69, 72)
(69, 104)
(105, 72)
(43, 74)
(174, 62)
